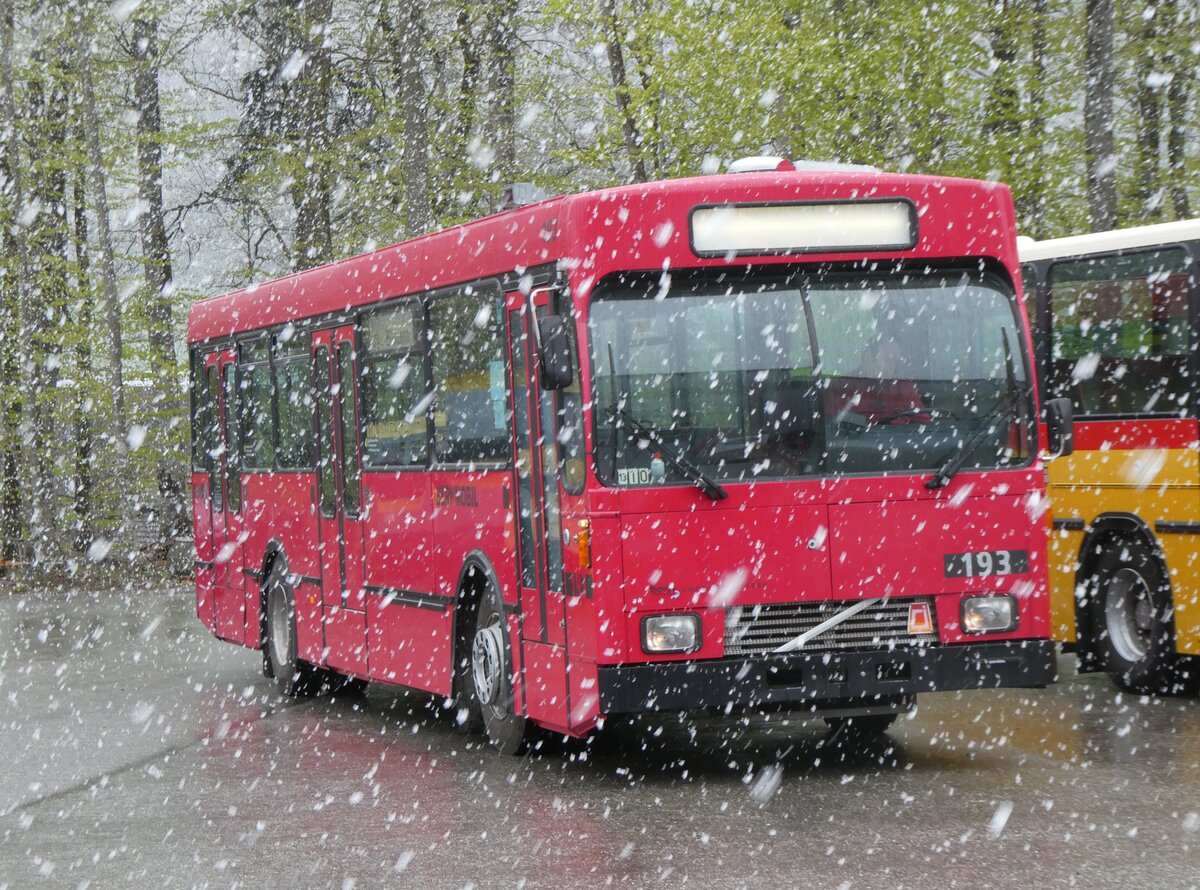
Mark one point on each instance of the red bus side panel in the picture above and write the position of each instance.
(545, 684)
(409, 644)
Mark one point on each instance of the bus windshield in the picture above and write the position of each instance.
(762, 375)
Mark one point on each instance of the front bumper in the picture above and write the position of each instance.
(810, 680)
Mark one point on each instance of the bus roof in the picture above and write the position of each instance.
(642, 226)
(1110, 242)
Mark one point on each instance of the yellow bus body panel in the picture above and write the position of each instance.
(1156, 484)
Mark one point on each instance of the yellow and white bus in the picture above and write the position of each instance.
(1116, 324)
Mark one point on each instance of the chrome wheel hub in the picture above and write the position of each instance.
(1129, 614)
(279, 627)
(487, 662)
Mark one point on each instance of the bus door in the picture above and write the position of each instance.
(225, 486)
(339, 499)
(539, 538)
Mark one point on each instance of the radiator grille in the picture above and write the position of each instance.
(760, 630)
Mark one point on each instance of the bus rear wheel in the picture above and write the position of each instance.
(289, 675)
(489, 677)
(1132, 617)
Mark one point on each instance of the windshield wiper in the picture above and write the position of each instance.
(705, 482)
(1013, 399)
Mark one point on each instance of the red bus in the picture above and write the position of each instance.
(757, 440)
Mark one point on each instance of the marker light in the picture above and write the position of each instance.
(989, 614)
(741, 229)
(583, 540)
(671, 633)
(919, 619)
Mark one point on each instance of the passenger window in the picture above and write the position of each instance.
(328, 464)
(258, 434)
(233, 478)
(293, 402)
(394, 394)
(215, 450)
(349, 429)
(202, 421)
(470, 402)
(1120, 333)
(569, 408)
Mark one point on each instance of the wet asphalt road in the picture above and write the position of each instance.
(139, 752)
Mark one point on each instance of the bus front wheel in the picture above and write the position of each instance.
(489, 677)
(1132, 616)
(289, 675)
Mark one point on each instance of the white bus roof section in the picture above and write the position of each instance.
(1110, 242)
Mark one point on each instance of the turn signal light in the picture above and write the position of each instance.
(920, 621)
(584, 541)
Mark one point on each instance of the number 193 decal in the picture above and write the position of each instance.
(982, 563)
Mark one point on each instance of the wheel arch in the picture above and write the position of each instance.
(273, 556)
(476, 576)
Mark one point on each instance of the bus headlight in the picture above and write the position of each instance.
(989, 614)
(671, 633)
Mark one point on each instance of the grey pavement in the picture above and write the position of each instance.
(137, 751)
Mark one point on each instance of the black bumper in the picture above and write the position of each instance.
(810, 680)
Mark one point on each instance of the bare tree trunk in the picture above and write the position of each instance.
(1001, 124)
(1035, 202)
(12, 310)
(47, 276)
(1098, 117)
(620, 81)
(468, 87)
(157, 264)
(503, 38)
(1149, 123)
(108, 274)
(155, 248)
(1184, 20)
(84, 436)
(1177, 99)
(312, 192)
(407, 44)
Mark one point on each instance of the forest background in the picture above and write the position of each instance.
(152, 153)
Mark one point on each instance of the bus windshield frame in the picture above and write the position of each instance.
(760, 392)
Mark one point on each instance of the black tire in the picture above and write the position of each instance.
(289, 675)
(467, 715)
(1132, 619)
(859, 730)
(487, 678)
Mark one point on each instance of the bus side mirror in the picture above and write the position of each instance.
(1060, 427)
(555, 355)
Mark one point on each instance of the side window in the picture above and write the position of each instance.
(470, 405)
(258, 439)
(215, 450)
(202, 420)
(348, 432)
(292, 369)
(326, 456)
(233, 477)
(1119, 327)
(569, 408)
(394, 394)
(1029, 285)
